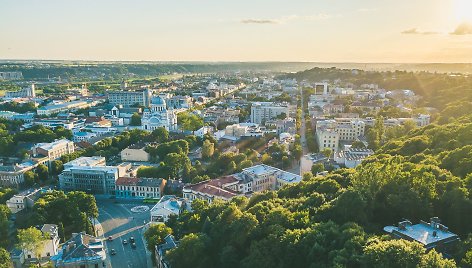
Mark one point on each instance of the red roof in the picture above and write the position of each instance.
(127, 181)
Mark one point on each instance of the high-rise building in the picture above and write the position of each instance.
(265, 111)
(27, 92)
(130, 98)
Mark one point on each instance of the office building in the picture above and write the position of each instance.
(139, 188)
(130, 98)
(262, 112)
(54, 150)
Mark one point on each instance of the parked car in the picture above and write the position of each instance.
(133, 245)
(131, 239)
(125, 242)
(112, 252)
(110, 238)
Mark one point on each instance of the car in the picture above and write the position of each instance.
(112, 252)
(133, 245)
(110, 238)
(125, 242)
(131, 239)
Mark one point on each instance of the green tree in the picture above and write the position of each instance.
(57, 167)
(160, 135)
(31, 240)
(155, 235)
(208, 149)
(5, 261)
(191, 252)
(317, 168)
(4, 226)
(189, 121)
(135, 120)
(43, 172)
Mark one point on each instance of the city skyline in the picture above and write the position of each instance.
(296, 31)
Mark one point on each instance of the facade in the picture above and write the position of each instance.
(327, 138)
(253, 179)
(23, 200)
(11, 75)
(90, 179)
(329, 133)
(265, 111)
(159, 116)
(139, 188)
(430, 235)
(135, 153)
(167, 206)
(81, 251)
(63, 107)
(27, 92)
(13, 176)
(179, 102)
(352, 157)
(237, 131)
(84, 161)
(130, 98)
(54, 150)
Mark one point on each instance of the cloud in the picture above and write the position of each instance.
(285, 19)
(365, 9)
(259, 21)
(463, 29)
(415, 31)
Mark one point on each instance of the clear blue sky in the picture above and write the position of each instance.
(238, 30)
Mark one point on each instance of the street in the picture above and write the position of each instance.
(118, 221)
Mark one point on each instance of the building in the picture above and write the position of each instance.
(27, 92)
(63, 107)
(157, 115)
(179, 102)
(11, 75)
(23, 200)
(84, 161)
(352, 157)
(167, 206)
(329, 133)
(82, 250)
(262, 112)
(327, 138)
(135, 153)
(90, 179)
(161, 249)
(54, 150)
(139, 188)
(83, 136)
(237, 131)
(253, 179)
(321, 88)
(13, 176)
(211, 189)
(430, 235)
(130, 98)
(287, 125)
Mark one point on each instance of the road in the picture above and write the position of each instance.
(303, 126)
(118, 221)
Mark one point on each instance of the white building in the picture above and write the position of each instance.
(63, 107)
(167, 206)
(23, 200)
(352, 157)
(27, 92)
(159, 116)
(265, 111)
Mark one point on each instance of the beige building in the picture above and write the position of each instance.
(23, 200)
(54, 150)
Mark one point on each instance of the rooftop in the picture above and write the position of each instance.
(214, 187)
(428, 234)
(262, 169)
(133, 181)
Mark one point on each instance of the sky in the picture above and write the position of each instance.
(238, 30)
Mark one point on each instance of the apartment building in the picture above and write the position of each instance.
(27, 92)
(167, 206)
(130, 98)
(23, 200)
(13, 176)
(329, 133)
(139, 188)
(90, 179)
(265, 111)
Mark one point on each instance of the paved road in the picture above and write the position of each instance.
(118, 221)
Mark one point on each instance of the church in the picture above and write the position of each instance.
(157, 115)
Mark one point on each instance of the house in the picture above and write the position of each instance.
(135, 153)
(23, 200)
(168, 205)
(161, 249)
(430, 235)
(139, 188)
(82, 250)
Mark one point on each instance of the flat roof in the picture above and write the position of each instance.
(423, 233)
